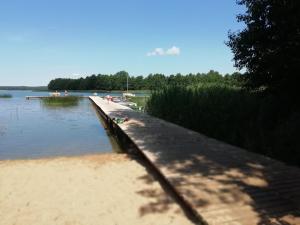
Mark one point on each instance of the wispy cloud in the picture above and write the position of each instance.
(157, 51)
(173, 51)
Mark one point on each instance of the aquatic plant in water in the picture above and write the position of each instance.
(64, 101)
(5, 95)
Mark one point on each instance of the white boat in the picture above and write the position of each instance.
(54, 94)
(116, 99)
(95, 94)
(128, 94)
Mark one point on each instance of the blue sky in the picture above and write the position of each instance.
(41, 40)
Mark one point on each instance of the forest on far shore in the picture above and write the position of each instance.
(118, 81)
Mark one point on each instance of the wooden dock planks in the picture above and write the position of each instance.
(222, 183)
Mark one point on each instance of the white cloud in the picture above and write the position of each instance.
(157, 51)
(160, 51)
(173, 51)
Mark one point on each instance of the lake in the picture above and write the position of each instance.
(31, 129)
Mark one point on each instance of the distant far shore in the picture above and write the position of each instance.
(24, 88)
(45, 88)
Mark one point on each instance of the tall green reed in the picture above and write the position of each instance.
(251, 120)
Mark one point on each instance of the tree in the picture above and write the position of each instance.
(118, 81)
(269, 46)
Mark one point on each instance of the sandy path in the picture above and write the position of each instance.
(87, 190)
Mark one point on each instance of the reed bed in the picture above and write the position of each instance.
(252, 120)
(64, 101)
(5, 96)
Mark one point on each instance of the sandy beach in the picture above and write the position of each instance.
(84, 190)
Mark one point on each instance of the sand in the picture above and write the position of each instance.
(88, 190)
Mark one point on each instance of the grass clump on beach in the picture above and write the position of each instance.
(64, 101)
(5, 96)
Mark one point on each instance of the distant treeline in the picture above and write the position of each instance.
(118, 81)
(34, 88)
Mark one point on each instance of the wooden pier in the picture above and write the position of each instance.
(222, 184)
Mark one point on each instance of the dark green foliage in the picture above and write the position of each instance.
(118, 81)
(269, 46)
(269, 49)
(252, 120)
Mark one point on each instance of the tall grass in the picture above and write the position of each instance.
(5, 96)
(251, 120)
(65, 101)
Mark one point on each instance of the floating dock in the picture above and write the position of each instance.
(222, 184)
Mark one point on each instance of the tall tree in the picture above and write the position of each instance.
(269, 45)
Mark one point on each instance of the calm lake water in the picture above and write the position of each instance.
(29, 129)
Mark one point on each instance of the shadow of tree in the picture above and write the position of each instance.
(162, 199)
(222, 183)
